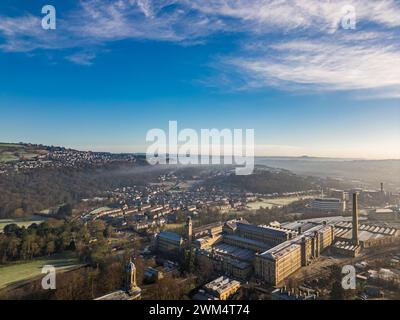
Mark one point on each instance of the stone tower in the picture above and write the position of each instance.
(355, 219)
(189, 231)
(131, 284)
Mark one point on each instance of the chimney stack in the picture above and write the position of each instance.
(382, 187)
(189, 230)
(355, 219)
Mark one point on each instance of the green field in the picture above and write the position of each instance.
(14, 273)
(7, 156)
(10, 145)
(20, 222)
(99, 210)
(14, 152)
(274, 202)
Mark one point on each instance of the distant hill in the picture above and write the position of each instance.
(370, 172)
(10, 152)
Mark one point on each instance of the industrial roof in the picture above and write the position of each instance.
(236, 252)
(344, 245)
(260, 244)
(280, 250)
(263, 229)
(170, 236)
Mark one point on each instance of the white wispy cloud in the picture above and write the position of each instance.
(323, 65)
(83, 58)
(294, 14)
(289, 44)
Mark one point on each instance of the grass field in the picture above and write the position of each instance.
(14, 152)
(14, 273)
(20, 222)
(10, 145)
(99, 210)
(274, 202)
(7, 156)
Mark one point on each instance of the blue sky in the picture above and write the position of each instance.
(112, 70)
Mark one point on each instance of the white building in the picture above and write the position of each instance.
(329, 204)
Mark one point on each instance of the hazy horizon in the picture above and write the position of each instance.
(292, 72)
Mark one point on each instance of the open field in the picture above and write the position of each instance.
(7, 156)
(20, 222)
(14, 152)
(10, 145)
(274, 202)
(13, 273)
(99, 210)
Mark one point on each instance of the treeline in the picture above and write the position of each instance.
(85, 283)
(55, 236)
(30, 192)
(88, 283)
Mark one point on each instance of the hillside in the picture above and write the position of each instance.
(369, 172)
(12, 152)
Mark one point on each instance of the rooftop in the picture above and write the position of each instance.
(344, 245)
(236, 252)
(280, 250)
(327, 200)
(221, 284)
(259, 244)
(170, 236)
(272, 231)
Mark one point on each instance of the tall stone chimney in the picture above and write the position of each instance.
(189, 231)
(382, 187)
(355, 219)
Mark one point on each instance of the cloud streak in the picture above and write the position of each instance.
(286, 44)
(323, 65)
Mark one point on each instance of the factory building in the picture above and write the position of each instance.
(352, 237)
(368, 235)
(206, 242)
(383, 214)
(346, 248)
(270, 253)
(329, 204)
(169, 242)
(273, 253)
(212, 229)
(226, 263)
(339, 194)
(279, 262)
(246, 243)
(265, 234)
